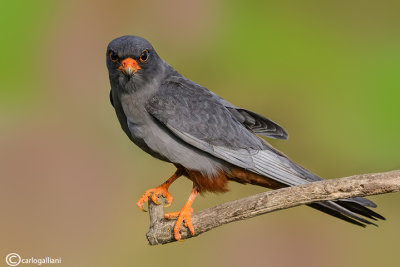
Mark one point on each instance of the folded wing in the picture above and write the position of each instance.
(199, 118)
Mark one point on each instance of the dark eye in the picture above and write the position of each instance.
(144, 56)
(113, 56)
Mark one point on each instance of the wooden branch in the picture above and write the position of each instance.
(161, 230)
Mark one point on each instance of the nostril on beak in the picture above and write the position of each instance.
(129, 66)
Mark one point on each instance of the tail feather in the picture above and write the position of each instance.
(335, 213)
(357, 208)
(349, 210)
(362, 201)
(350, 215)
(352, 210)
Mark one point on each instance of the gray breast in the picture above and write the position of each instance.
(158, 141)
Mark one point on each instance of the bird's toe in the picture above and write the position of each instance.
(183, 217)
(155, 194)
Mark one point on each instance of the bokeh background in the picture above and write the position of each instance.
(326, 71)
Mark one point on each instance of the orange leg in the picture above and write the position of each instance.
(183, 215)
(161, 190)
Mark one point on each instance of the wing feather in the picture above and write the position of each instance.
(259, 124)
(196, 116)
(255, 122)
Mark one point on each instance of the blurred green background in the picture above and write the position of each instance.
(326, 71)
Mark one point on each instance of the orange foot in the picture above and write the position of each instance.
(184, 215)
(159, 191)
(155, 193)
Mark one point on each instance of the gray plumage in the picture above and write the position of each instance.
(179, 121)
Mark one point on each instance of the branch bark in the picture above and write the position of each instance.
(161, 230)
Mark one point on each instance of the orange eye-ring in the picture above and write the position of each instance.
(144, 56)
(113, 56)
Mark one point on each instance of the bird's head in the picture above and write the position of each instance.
(131, 60)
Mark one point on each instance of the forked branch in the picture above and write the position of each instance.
(161, 230)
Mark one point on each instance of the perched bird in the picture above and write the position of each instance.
(209, 140)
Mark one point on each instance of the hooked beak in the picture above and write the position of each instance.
(129, 66)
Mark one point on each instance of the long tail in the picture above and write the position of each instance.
(352, 210)
(348, 210)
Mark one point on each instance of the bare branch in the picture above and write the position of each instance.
(161, 230)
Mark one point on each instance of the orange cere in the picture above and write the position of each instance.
(129, 65)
